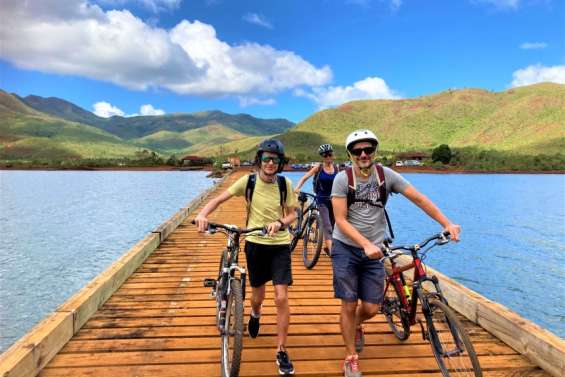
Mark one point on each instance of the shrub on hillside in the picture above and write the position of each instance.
(442, 153)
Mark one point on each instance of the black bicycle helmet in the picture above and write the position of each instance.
(272, 146)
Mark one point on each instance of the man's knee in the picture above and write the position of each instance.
(370, 309)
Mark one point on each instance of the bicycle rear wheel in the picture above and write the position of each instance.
(395, 314)
(232, 337)
(312, 240)
(450, 343)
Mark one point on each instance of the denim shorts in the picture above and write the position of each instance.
(355, 275)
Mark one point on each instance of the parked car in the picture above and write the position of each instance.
(247, 163)
(412, 163)
(226, 165)
(398, 163)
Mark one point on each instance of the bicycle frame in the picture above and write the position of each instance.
(409, 297)
(304, 214)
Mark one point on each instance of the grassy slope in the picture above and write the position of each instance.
(528, 119)
(29, 134)
(168, 142)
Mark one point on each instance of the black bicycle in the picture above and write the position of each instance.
(448, 338)
(229, 291)
(307, 227)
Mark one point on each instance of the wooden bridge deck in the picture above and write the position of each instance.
(161, 323)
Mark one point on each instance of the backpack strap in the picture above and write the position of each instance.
(281, 181)
(249, 188)
(316, 179)
(350, 186)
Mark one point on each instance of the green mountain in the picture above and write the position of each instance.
(28, 134)
(141, 126)
(525, 120)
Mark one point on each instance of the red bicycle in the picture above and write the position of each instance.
(448, 338)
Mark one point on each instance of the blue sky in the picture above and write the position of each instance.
(272, 59)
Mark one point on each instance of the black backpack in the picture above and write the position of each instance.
(381, 202)
(250, 188)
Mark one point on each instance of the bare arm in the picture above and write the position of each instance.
(305, 177)
(340, 213)
(432, 210)
(201, 219)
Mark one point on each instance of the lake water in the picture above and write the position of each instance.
(60, 229)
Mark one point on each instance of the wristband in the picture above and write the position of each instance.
(282, 224)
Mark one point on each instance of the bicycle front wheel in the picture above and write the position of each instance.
(395, 314)
(232, 336)
(450, 343)
(312, 240)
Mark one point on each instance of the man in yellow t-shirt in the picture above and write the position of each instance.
(268, 258)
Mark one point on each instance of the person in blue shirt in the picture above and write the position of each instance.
(324, 174)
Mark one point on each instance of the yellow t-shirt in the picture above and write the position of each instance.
(265, 207)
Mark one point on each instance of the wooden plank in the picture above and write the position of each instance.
(34, 350)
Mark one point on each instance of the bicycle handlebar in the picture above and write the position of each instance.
(213, 227)
(388, 250)
(303, 195)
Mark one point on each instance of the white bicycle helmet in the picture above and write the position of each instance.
(361, 135)
(325, 148)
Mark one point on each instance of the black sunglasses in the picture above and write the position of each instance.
(327, 154)
(276, 160)
(367, 150)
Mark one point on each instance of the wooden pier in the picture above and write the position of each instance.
(149, 315)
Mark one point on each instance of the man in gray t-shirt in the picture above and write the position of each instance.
(358, 274)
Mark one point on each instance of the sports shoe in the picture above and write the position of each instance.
(253, 326)
(351, 366)
(285, 365)
(359, 339)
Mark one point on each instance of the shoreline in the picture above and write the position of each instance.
(423, 170)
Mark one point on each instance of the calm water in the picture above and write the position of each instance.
(60, 229)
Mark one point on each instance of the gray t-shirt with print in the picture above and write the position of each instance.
(369, 220)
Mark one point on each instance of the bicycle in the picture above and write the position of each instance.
(451, 346)
(229, 291)
(308, 228)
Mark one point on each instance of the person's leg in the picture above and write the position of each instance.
(257, 298)
(283, 314)
(259, 273)
(282, 278)
(348, 322)
(326, 227)
(371, 285)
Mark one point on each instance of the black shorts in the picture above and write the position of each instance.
(268, 262)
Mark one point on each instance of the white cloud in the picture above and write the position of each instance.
(533, 45)
(369, 88)
(150, 110)
(75, 37)
(257, 19)
(107, 110)
(538, 73)
(153, 5)
(250, 101)
(501, 4)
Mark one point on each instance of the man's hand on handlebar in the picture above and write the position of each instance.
(373, 251)
(453, 230)
(273, 228)
(201, 222)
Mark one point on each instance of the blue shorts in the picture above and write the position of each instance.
(355, 275)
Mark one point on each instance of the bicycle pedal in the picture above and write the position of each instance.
(210, 283)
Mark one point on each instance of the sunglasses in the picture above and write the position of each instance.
(276, 160)
(327, 154)
(359, 151)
